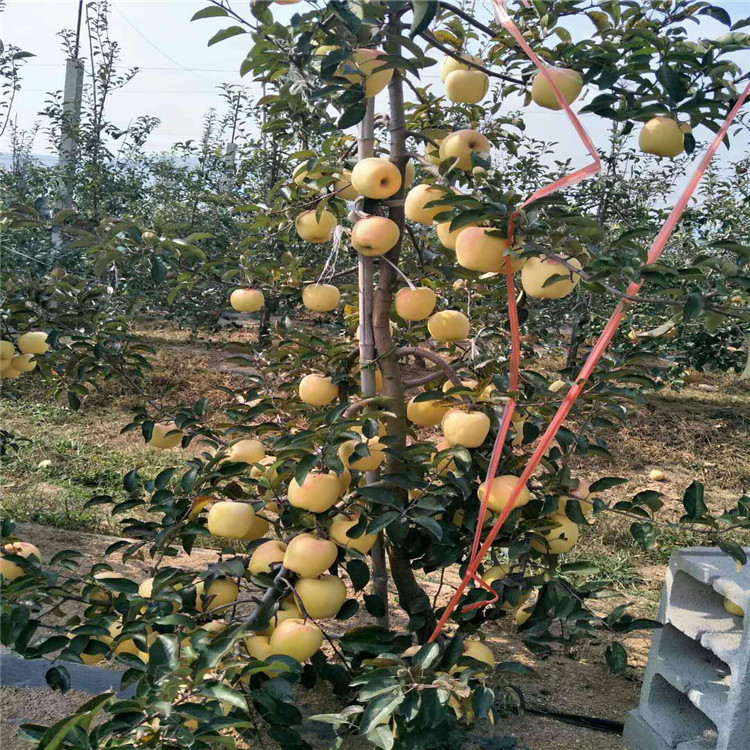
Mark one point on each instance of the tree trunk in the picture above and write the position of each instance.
(411, 596)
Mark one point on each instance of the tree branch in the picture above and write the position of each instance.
(428, 36)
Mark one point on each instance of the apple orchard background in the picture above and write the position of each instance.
(133, 289)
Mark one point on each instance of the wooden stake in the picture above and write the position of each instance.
(366, 149)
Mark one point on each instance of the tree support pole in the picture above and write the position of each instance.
(366, 149)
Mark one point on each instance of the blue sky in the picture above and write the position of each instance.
(179, 73)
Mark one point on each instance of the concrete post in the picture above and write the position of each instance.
(696, 690)
(72, 95)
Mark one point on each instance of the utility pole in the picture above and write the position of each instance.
(230, 152)
(71, 121)
(72, 96)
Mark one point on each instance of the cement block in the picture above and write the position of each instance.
(696, 690)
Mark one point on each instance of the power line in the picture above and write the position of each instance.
(157, 48)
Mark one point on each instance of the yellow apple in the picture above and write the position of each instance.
(258, 646)
(450, 64)
(480, 249)
(410, 172)
(247, 300)
(465, 428)
(321, 297)
(221, 592)
(321, 597)
(502, 489)
(230, 520)
(448, 325)
(7, 371)
(733, 609)
(580, 493)
(247, 450)
(444, 465)
(341, 524)
(374, 235)
(263, 556)
(415, 304)
(345, 480)
(560, 539)
(446, 236)
(536, 271)
(317, 493)
(165, 435)
(300, 176)
(287, 610)
(296, 638)
(317, 390)
(461, 144)
(343, 186)
(415, 206)
(7, 350)
(366, 62)
(467, 86)
(34, 342)
(125, 646)
(309, 556)
(432, 153)
(366, 463)
(376, 178)
(569, 82)
(661, 136)
(258, 530)
(426, 413)
(313, 228)
(150, 238)
(657, 475)
(23, 362)
(23, 549)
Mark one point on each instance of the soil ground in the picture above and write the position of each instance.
(700, 431)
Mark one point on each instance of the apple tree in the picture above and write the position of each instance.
(354, 460)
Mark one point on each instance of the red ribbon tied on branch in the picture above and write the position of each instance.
(479, 550)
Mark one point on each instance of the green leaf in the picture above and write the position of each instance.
(352, 115)
(606, 483)
(732, 549)
(348, 609)
(616, 657)
(158, 271)
(227, 33)
(693, 501)
(223, 692)
(379, 711)
(163, 656)
(212, 11)
(424, 12)
(375, 605)
(427, 656)
(431, 525)
(303, 468)
(359, 573)
(644, 534)
(672, 82)
(694, 304)
(514, 667)
(380, 522)
(58, 678)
